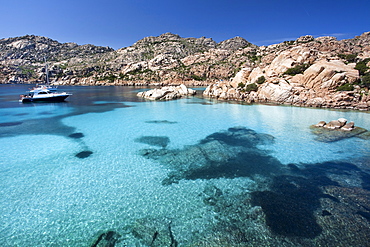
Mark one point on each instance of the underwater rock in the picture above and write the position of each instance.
(351, 217)
(212, 195)
(364, 135)
(304, 206)
(337, 130)
(240, 136)
(77, 135)
(291, 201)
(21, 114)
(8, 124)
(46, 113)
(107, 239)
(161, 122)
(326, 213)
(332, 135)
(84, 154)
(155, 232)
(286, 215)
(232, 153)
(159, 141)
(366, 215)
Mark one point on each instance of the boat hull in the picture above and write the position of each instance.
(58, 98)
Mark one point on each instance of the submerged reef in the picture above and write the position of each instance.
(84, 154)
(159, 141)
(106, 239)
(228, 154)
(321, 204)
(76, 135)
(160, 122)
(7, 124)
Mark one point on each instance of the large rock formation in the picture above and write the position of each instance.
(337, 130)
(318, 72)
(167, 93)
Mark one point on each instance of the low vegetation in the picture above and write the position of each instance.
(261, 80)
(241, 85)
(362, 67)
(364, 71)
(345, 87)
(350, 58)
(298, 69)
(251, 87)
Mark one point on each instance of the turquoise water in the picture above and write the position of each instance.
(75, 173)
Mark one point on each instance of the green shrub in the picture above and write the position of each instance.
(251, 87)
(299, 69)
(350, 58)
(255, 58)
(361, 66)
(198, 78)
(109, 78)
(261, 80)
(345, 87)
(365, 80)
(241, 85)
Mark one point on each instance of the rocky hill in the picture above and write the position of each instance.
(308, 71)
(22, 58)
(167, 58)
(321, 72)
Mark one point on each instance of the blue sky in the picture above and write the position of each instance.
(119, 24)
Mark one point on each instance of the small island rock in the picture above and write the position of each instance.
(349, 126)
(337, 130)
(167, 93)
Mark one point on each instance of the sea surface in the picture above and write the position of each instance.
(106, 168)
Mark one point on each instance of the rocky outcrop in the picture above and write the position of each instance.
(306, 72)
(167, 93)
(336, 130)
(233, 44)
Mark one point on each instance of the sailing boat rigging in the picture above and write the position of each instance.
(44, 93)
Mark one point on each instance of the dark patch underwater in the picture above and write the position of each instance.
(292, 196)
(77, 135)
(84, 154)
(161, 122)
(8, 124)
(159, 141)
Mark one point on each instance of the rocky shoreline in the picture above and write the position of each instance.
(350, 100)
(311, 72)
(353, 100)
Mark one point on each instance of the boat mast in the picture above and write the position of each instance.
(46, 72)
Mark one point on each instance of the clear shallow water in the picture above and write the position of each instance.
(51, 197)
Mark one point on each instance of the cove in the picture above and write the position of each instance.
(109, 168)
